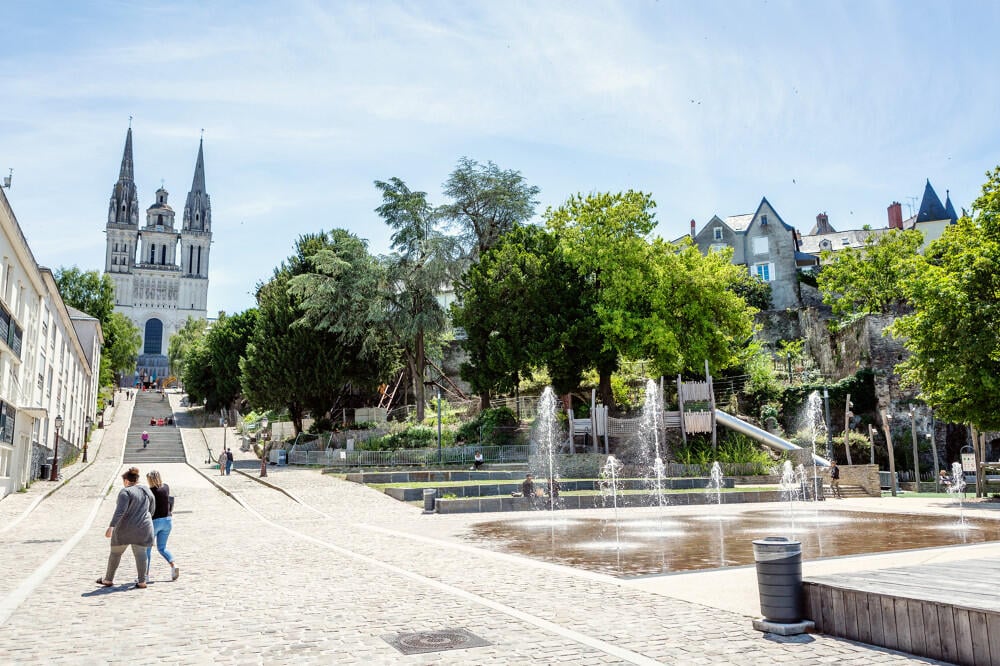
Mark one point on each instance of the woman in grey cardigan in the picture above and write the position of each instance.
(132, 525)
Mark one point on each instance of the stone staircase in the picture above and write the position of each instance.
(165, 445)
(845, 491)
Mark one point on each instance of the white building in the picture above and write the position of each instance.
(160, 273)
(45, 371)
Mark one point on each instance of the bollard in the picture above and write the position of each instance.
(429, 495)
(779, 578)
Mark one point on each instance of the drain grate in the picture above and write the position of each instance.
(435, 641)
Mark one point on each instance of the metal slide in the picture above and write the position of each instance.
(762, 436)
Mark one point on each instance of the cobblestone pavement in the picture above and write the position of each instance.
(266, 579)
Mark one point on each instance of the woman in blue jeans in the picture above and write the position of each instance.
(162, 522)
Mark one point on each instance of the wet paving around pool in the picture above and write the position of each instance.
(636, 546)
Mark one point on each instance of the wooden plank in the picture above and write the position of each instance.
(963, 637)
(875, 615)
(993, 632)
(863, 621)
(890, 636)
(949, 645)
(813, 609)
(839, 619)
(851, 615)
(903, 641)
(918, 643)
(827, 605)
(932, 627)
(980, 641)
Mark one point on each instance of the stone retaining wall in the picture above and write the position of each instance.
(862, 476)
(500, 504)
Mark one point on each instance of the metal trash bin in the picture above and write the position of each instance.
(779, 578)
(282, 457)
(429, 496)
(45, 471)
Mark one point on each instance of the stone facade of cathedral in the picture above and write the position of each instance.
(160, 272)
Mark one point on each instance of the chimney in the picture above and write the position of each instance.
(896, 215)
(692, 228)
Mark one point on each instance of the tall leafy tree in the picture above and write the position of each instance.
(604, 236)
(122, 341)
(423, 260)
(487, 202)
(871, 279)
(88, 291)
(292, 364)
(183, 341)
(212, 360)
(953, 333)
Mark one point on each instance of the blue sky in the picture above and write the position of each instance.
(836, 107)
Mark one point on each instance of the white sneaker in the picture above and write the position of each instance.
(174, 573)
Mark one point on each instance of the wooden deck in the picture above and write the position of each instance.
(945, 611)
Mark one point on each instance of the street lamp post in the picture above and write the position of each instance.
(829, 437)
(54, 474)
(916, 450)
(263, 448)
(86, 436)
(439, 427)
(886, 424)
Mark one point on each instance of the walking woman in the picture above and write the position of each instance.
(162, 522)
(131, 525)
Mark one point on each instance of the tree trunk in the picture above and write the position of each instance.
(418, 379)
(484, 400)
(604, 389)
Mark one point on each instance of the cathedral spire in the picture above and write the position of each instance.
(124, 205)
(198, 208)
(198, 184)
(127, 172)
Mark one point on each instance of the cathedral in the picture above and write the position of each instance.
(160, 272)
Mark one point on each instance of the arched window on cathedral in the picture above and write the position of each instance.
(152, 254)
(153, 337)
(163, 254)
(159, 219)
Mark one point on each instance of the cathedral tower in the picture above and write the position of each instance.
(160, 273)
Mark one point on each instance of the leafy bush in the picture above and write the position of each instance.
(414, 437)
(492, 427)
(734, 448)
(579, 465)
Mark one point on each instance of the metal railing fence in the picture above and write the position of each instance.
(451, 455)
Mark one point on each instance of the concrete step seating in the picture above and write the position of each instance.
(165, 444)
(845, 491)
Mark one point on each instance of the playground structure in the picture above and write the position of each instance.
(696, 413)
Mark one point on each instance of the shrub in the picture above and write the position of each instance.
(492, 427)
(414, 437)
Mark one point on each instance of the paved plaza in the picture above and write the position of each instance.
(311, 569)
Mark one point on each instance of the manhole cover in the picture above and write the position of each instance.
(435, 641)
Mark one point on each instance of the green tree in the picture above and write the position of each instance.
(423, 260)
(212, 360)
(694, 313)
(289, 364)
(88, 291)
(754, 291)
(871, 279)
(122, 341)
(181, 343)
(953, 333)
(605, 238)
(521, 306)
(487, 202)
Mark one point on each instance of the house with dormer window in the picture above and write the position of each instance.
(765, 244)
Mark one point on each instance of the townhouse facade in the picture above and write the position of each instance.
(45, 372)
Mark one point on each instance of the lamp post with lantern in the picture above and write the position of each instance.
(54, 474)
(86, 436)
(263, 447)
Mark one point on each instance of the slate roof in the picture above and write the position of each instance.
(948, 208)
(931, 207)
(813, 244)
(739, 222)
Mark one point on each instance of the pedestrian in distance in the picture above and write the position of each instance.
(229, 461)
(131, 525)
(477, 460)
(222, 462)
(145, 439)
(835, 480)
(163, 522)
